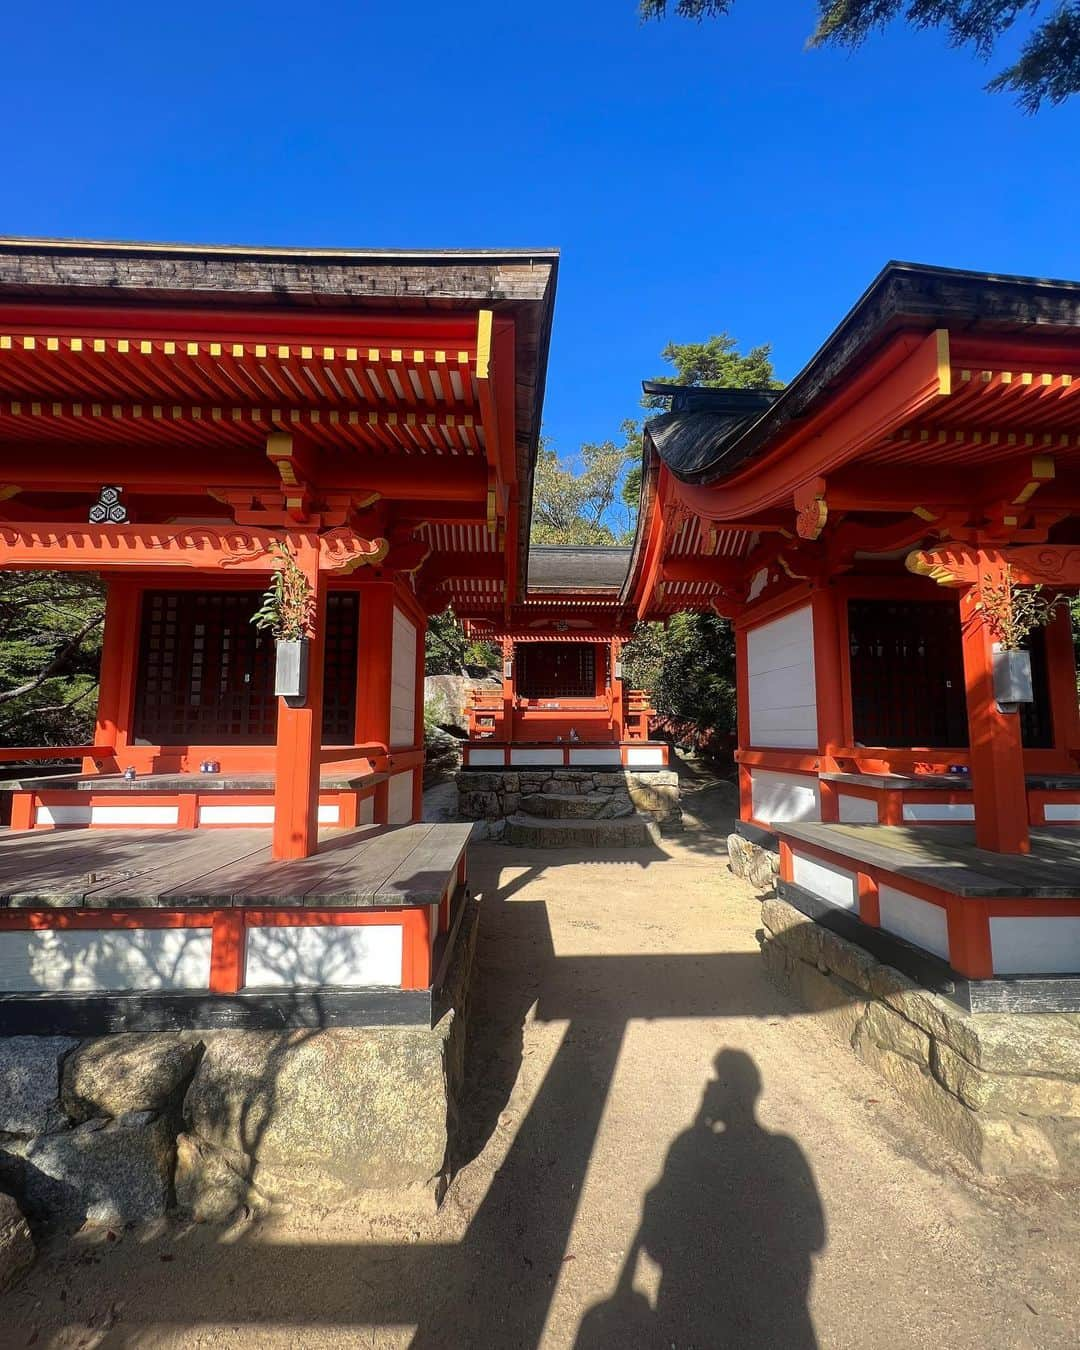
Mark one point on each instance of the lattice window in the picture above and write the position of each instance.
(907, 673)
(555, 670)
(206, 674)
(907, 676)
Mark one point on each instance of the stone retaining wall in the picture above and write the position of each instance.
(1003, 1088)
(127, 1127)
(490, 795)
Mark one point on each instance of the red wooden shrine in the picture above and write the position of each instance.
(563, 699)
(851, 526)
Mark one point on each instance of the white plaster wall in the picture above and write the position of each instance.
(778, 797)
(481, 757)
(134, 815)
(828, 882)
(536, 756)
(63, 815)
(1035, 946)
(399, 793)
(1062, 811)
(403, 681)
(600, 757)
(324, 954)
(641, 755)
(916, 920)
(857, 810)
(782, 692)
(945, 811)
(365, 814)
(81, 961)
(253, 814)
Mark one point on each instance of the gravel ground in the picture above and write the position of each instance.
(658, 1149)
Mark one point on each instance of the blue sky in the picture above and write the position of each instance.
(696, 177)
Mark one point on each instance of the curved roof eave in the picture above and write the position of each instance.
(902, 295)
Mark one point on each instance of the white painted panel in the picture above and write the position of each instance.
(328, 814)
(399, 809)
(827, 881)
(536, 756)
(403, 681)
(916, 920)
(63, 815)
(781, 688)
(1035, 946)
(857, 810)
(81, 960)
(134, 815)
(778, 797)
(236, 815)
(324, 954)
(595, 757)
(939, 811)
(1062, 811)
(641, 755)
(365, 811)
(479, 757)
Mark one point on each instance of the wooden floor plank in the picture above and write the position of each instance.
(170, 868)
(257, 879)
(422, 877)
(358, 882)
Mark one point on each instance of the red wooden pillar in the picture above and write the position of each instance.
(1061, 677)
(119, 655)
(828, 681)
(299, 733)
(618, 715)
(996, 751)
(418, 727)
(374, 664)
(508, 690)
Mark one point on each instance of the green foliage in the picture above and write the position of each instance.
(688, 666)
(50, 651)
(717, 364)
(571, 505)
(483, 654)
(288, 604)
(444, 645)
(1048, 68)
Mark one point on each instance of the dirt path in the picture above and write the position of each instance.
(614, 1188)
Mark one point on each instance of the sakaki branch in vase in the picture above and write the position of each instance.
(287, 612)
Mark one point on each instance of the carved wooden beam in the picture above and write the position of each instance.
(962, 564)
(812, 510)
(152, 547)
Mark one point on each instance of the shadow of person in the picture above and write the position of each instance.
(732, 1225)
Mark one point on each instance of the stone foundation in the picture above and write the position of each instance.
(1002, 1088)
(491, 795)
(755, 864)
(128, 1127)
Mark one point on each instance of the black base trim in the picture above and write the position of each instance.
(922, 966)
(253, 1010)
(1018, 994)
(757, 835)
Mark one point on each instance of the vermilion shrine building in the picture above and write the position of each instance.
(563, 699)
(166, 415)
(851, 525)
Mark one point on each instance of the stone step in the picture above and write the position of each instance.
(527, 831)
(577, 805)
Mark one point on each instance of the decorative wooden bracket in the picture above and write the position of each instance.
(812, 510)
(295, 473)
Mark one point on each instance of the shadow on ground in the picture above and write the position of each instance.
(733, 1201)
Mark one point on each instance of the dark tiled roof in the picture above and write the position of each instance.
(557, 568)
